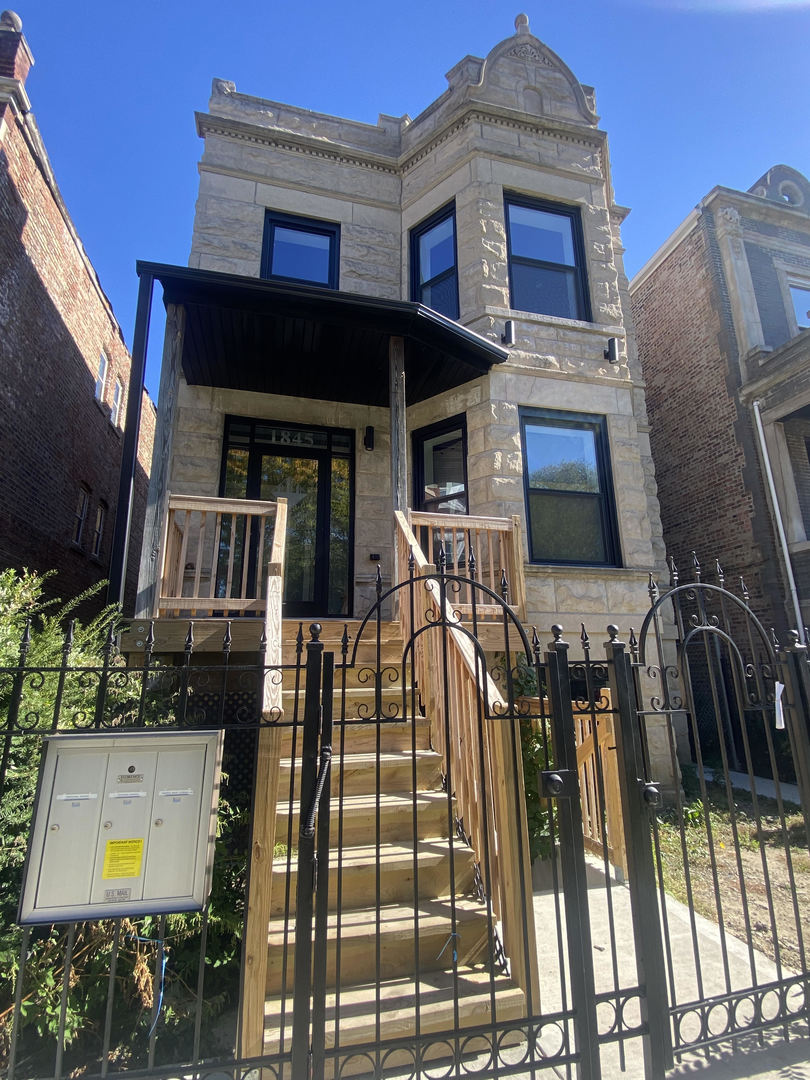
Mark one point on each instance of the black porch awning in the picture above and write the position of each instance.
(246, 333)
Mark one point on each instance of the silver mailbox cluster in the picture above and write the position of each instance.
(123, 825)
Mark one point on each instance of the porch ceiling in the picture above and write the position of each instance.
(246, 333)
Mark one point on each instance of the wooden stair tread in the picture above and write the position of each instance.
(427, 851)
(397, 1016)
(397, 919)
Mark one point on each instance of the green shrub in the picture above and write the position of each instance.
(72, 701)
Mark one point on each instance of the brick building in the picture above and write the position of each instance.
(64, 367)
(721, 314)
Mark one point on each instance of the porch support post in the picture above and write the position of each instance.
(154, 526)
(129, 453)
(399, 432)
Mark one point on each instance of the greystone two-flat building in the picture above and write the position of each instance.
(479, 243)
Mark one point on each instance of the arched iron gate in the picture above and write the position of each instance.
(403, 935)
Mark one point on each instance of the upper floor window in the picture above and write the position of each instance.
(117, 403)
(569, 494)
(800, 295)
(98, 529)
(101, 378)
(300, 249)
(434, 280)
(546, 258)
(80, 516)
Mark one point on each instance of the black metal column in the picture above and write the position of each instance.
(563, 784)
(307, 865)
(639, 798)
(129, 452)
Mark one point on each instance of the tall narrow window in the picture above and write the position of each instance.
(300, 249)
(117, 403)
(101, 378)
(80, 517)
(118, 399)
(434, 279)
(546, 258)
(440, 467)
(800, 295)
(569, 496)
(98, 529)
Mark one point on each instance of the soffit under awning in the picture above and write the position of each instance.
(303, 341)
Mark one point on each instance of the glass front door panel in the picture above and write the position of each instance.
(296, 480)
(339, 537)
(445, 474)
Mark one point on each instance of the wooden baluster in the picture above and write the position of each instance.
(231, 554)
(181, 562)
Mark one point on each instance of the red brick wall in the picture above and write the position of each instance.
(702, 443)
(54, 435)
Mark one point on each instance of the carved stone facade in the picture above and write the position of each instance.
(722, 317)
(516, 125)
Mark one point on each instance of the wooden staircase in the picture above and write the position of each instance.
(400, 879)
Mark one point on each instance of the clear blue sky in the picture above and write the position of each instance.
(693, 93)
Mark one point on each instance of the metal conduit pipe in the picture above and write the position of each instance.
(780, 527)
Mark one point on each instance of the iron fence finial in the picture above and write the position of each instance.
(227, 640)
(633, 644)
(504, 586)
(721, 577)
(299, 639)
(472, 564)
(315, 631)
(189, 645)
(535, 645)
(613, 631)
(344, 641)
(744, 590)
(586, 641)
(673, 571)
(696, 566)
(652, 589)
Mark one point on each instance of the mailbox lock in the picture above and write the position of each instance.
(107, 824)
(54, 828)
(158, 821)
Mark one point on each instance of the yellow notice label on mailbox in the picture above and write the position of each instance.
(122, 858)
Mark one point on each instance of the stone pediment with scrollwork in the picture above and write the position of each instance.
(529, 52)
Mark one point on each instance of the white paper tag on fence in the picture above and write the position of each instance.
(777, 701)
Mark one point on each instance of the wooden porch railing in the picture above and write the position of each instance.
(493, 822)
(496, 544)
(265, 804)
(586, 725)
(208, 548)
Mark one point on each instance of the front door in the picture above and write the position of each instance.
(312, 469)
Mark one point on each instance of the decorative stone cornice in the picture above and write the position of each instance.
(208, 124)
(475, 113)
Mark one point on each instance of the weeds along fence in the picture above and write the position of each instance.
(96, 994)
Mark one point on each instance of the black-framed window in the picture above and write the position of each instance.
(300, 249)
(434, 276)
(440, 467)
(546, 258)
(570, 512)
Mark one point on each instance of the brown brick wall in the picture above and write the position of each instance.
(709, 484)
(54, 436)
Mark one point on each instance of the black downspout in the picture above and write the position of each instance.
(129, 454)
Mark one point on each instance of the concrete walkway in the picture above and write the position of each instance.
(614, 957)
